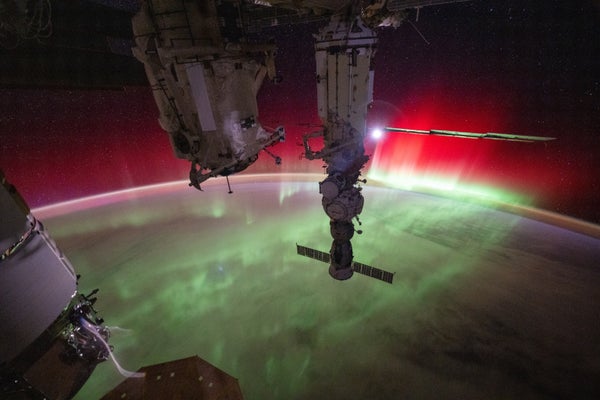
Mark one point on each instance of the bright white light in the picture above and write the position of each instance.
(377, 133)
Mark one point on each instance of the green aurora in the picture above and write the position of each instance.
(183, 273)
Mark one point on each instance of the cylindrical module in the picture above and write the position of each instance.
(36, 281)
(45, 351)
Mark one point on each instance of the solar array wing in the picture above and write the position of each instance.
(312, 253)
(473, 135)
(373, 272)
(356, 266)
(396, 5)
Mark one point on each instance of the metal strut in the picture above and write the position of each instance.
(275, 157)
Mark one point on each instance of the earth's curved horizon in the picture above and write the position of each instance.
(532, 212)
(485, 304)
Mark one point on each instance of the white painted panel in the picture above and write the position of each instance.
(199, 91)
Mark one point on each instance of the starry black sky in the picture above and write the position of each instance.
(525, 67)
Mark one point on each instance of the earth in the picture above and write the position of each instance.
(484, 304)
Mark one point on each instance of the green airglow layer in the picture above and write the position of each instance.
(180, 279)
(449, 187)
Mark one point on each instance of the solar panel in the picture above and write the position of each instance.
(312, 253)
(373, 272)
(356, 266)
(396, 5)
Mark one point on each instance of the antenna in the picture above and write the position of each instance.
(228, 185)
(417, 29)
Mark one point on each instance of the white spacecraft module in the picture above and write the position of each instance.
(44, 349)
(344, 52)
(205, 75)
(36, 281)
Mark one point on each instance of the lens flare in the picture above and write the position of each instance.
(377, 133)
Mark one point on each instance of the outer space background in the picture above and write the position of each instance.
(524, 67)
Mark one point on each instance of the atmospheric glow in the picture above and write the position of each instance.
(449, 187)
(469, 169)
(104, 199)
(446, 254)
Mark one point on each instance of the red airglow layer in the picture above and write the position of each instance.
(525, 168)
(60, 145)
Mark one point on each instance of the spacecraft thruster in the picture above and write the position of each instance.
(205, 75)
(51, 338)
